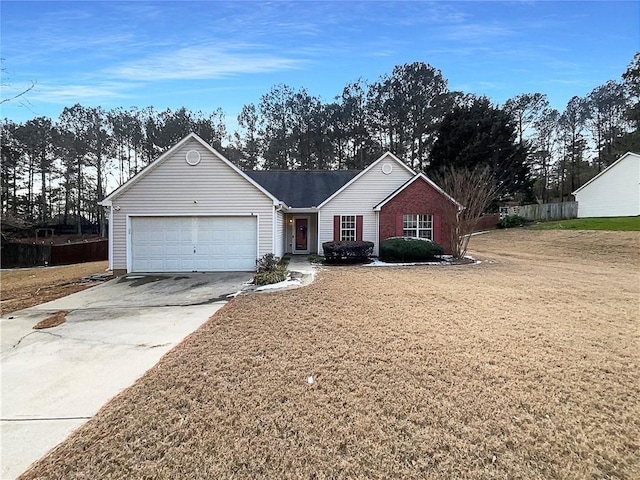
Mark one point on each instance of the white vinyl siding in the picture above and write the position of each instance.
(360, 197)
(615, 193)
(175, 188)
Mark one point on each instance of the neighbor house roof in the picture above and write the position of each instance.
(302, 188)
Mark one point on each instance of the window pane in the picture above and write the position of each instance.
(409, 221)
(348, 221)
(425, 221)
(348, 228)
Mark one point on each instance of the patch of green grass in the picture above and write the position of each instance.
(315, 258)
(624, 224)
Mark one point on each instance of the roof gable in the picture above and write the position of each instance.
(419, 176)
(386, 156)
(166, 155)
(302, 188)
(603, 172)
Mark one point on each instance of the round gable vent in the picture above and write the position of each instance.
(192, 157)
(387, 168)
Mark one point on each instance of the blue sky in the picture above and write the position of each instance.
(204, 55)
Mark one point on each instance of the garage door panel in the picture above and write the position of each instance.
(184, 244)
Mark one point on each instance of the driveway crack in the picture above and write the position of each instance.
(31, 333)
(90, 341)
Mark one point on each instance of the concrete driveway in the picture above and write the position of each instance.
(54, 380)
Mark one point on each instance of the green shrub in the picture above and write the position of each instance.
(315, 258)
(267, 263)
(405, 249)
(347, 251)
(511, 221)
(279, 274)
(270, 269)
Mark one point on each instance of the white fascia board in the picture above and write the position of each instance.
(607, 169)
(146, 170)
(422, 176)
(354, 179)
(162, 158)
(301, 210)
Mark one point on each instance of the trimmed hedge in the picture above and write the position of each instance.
(347, 251)
(406, 249)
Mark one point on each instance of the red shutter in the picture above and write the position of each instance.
(359, 228)
(399, 225)
(437, 229)
(336, 228)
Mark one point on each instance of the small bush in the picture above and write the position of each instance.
(279, 274)
(267, 263)
(511, 221)
(270, 269)
(347, 251)
(405, 249)
(315, 258)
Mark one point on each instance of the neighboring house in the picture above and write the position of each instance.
(193, 210)
(614, 192)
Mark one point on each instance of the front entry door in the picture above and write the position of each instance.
(301, 235)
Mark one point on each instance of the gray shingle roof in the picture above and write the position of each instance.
(302, 188)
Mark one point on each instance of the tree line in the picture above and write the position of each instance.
(58, 170)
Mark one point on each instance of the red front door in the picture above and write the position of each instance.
(302, 237)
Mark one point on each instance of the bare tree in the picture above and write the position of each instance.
(6, 85)
(474, 190)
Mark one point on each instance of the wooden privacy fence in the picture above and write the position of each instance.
(546, 211)
(32, 255)
(488, 222)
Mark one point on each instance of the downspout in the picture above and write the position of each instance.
(274, 232)
(318, 247)
(377, 238)
(110, 237)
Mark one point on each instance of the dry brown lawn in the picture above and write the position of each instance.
(26, 287)
(525, 366)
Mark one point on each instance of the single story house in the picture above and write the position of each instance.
(193, 210)
(614, 192)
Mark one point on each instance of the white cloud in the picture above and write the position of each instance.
(476, 32)
(64, 94)
(204, 62)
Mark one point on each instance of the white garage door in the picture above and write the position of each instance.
(193, 244)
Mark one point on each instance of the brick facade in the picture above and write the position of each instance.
(419, 198)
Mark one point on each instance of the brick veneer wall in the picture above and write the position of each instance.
(419, 198)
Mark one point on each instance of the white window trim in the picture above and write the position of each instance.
(416, 231)
(344, 230)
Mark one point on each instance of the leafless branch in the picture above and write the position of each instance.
(474, 190)
(30, 87)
